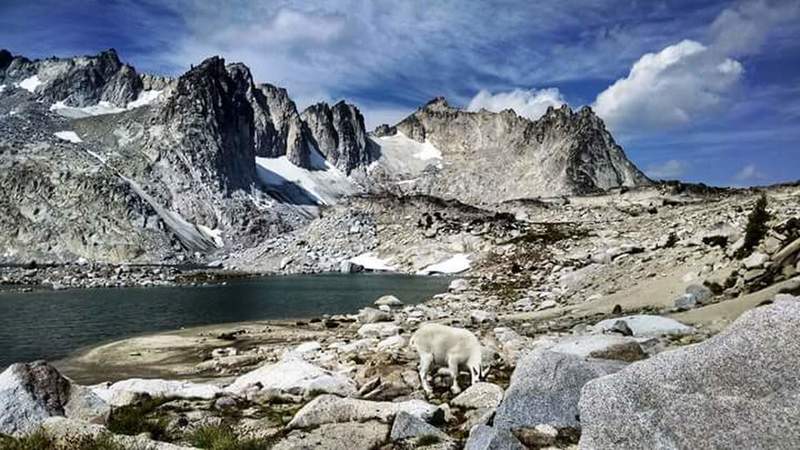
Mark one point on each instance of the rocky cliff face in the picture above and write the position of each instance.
(489, 157)
(339, 134)
(132, 178)
(173, 177)
(77, 81)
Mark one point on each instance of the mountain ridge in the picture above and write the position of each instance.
(198, 151)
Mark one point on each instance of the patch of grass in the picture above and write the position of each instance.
(756, 227)
(139, 418)
(37, 440)
(222, 437)
(427, 439)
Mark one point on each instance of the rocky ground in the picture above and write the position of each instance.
(654, 318)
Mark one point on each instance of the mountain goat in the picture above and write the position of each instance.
(450, 347)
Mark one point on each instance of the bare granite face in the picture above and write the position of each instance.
(491, 157)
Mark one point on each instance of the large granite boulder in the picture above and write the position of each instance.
(739, 389)
(32, 392)
(483, 437)
(293, 377)
(601, 346)
(337, 436)
(545, 389)
(643, 325)
(332, 409)
(125, 392)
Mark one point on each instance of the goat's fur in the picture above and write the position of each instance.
(447, 346)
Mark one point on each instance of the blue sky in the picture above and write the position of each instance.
(699, 91)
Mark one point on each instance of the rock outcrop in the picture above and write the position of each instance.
(738, 389)
(545, 389)
(30, 393)
(339, 134)
(490, 157)
(79, 81)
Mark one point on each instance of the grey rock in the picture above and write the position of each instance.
(755, 260)
(738, 389)
(695, 295)
(388, 300)
(350, 267)
(338, 133)
(482, 317)
(332, 409)
(337, 436)
(545, 389)
(601, 346)
(643, 325)
(479, 395)
(458, 286)
(372, 315)
(383, 130)
(483, 437)
(407, 426)
(30, 393)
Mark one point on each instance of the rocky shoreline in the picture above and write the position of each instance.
(579, 306)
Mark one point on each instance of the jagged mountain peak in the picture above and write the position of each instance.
(338, 132)
(495, 156)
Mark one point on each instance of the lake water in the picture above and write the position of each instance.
(51, 324)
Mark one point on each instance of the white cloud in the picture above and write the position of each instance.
(743, 28)
(669, 88)
(530, 103)
(667, 170)
(686, 81)
(749, 173)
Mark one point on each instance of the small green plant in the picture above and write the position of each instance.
(756, 227)
(37, 440)
(222, 437)
(427, 439)
(135, 419)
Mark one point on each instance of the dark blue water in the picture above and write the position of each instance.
(51, 324)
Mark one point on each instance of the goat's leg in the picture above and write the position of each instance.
(475, 373)
(452, 365)
(425, 360)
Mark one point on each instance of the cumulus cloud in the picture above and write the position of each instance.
(743, 28)
(667, 170)
(688, 80)
(529, 103)
(669, 88)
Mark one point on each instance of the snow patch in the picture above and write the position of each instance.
(85, 111)
(215, 235)
(400, 143)
(70, 136)
(324, 186)
(145, 98)
(76, 112)
(372, 262)
(456, 264)
(2, 88)
(30, 84)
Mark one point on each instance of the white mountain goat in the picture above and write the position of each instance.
(450, 347)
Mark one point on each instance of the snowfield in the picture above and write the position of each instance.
(30, 84)
(76, 112)
(400, 154)
(372, 262)
(456, 264)
(324, 185)
(70, 136)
